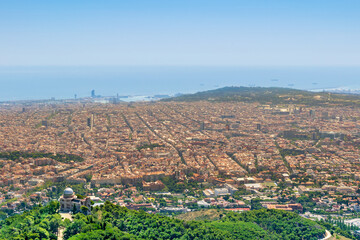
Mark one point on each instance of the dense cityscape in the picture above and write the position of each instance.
(175, 157)
(216, 158)
(180, 120)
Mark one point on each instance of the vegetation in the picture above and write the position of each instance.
(243, 230)
(287, 225)
(202, 215)
(39, 223)
(109, 233)
(110, 221)
(255, 204)
(64, 158)
(290, 152)
(174, 185)
(307, 202)
(272, 95)
(55, 190)
(338, 226)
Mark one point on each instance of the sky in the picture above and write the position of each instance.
(180, 33)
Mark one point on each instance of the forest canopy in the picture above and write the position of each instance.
(111, 221)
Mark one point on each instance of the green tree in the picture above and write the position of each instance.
(84, 209)
(74, 228)
(255, 204)
(74, 210)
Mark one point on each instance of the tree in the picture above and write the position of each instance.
(255, 204)
(52, 207)
(54, 223)
(74, 210)
(88, 177)
(2, 215)
(43, 233)
(162, 202)
(84, 209)
(79, 196)
(74, 228)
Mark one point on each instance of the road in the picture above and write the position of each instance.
(61, 233)
(327, 235)
(308, 215)
(62, 229)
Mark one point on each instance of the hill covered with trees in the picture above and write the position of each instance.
(273, 95)
(110, 221)
(39, 223)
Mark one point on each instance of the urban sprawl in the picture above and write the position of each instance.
(175, 157)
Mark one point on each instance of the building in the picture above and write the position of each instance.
(286, 207)
(209, 193)
(138, 206)
(202, 126)
(90, 122)
(69, 200)
(356, 208)
(345, 190)
(153, 186)
(203, 204)
(221, 191)
(230, 188)
(174, 210)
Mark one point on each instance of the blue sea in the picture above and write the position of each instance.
(25, 83)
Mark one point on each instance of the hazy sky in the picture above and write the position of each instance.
(180, 32)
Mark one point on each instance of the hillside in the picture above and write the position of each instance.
(338, 237)
(201, 215)
(114, 222)
(270, 95)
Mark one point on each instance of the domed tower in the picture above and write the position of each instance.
(68, 193)
(67, 200)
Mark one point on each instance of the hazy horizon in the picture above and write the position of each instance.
(28, 83)
(59, 49)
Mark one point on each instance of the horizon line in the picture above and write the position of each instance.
(177, 65)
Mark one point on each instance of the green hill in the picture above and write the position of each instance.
(114, 222)
(201, 215)
(271, 95)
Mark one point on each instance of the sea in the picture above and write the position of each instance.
(138, 82)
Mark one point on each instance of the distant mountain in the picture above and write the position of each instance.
(272, 95)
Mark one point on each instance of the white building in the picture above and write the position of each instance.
(230, 188)
(202, 203)
(209, 193)
(221, 191)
